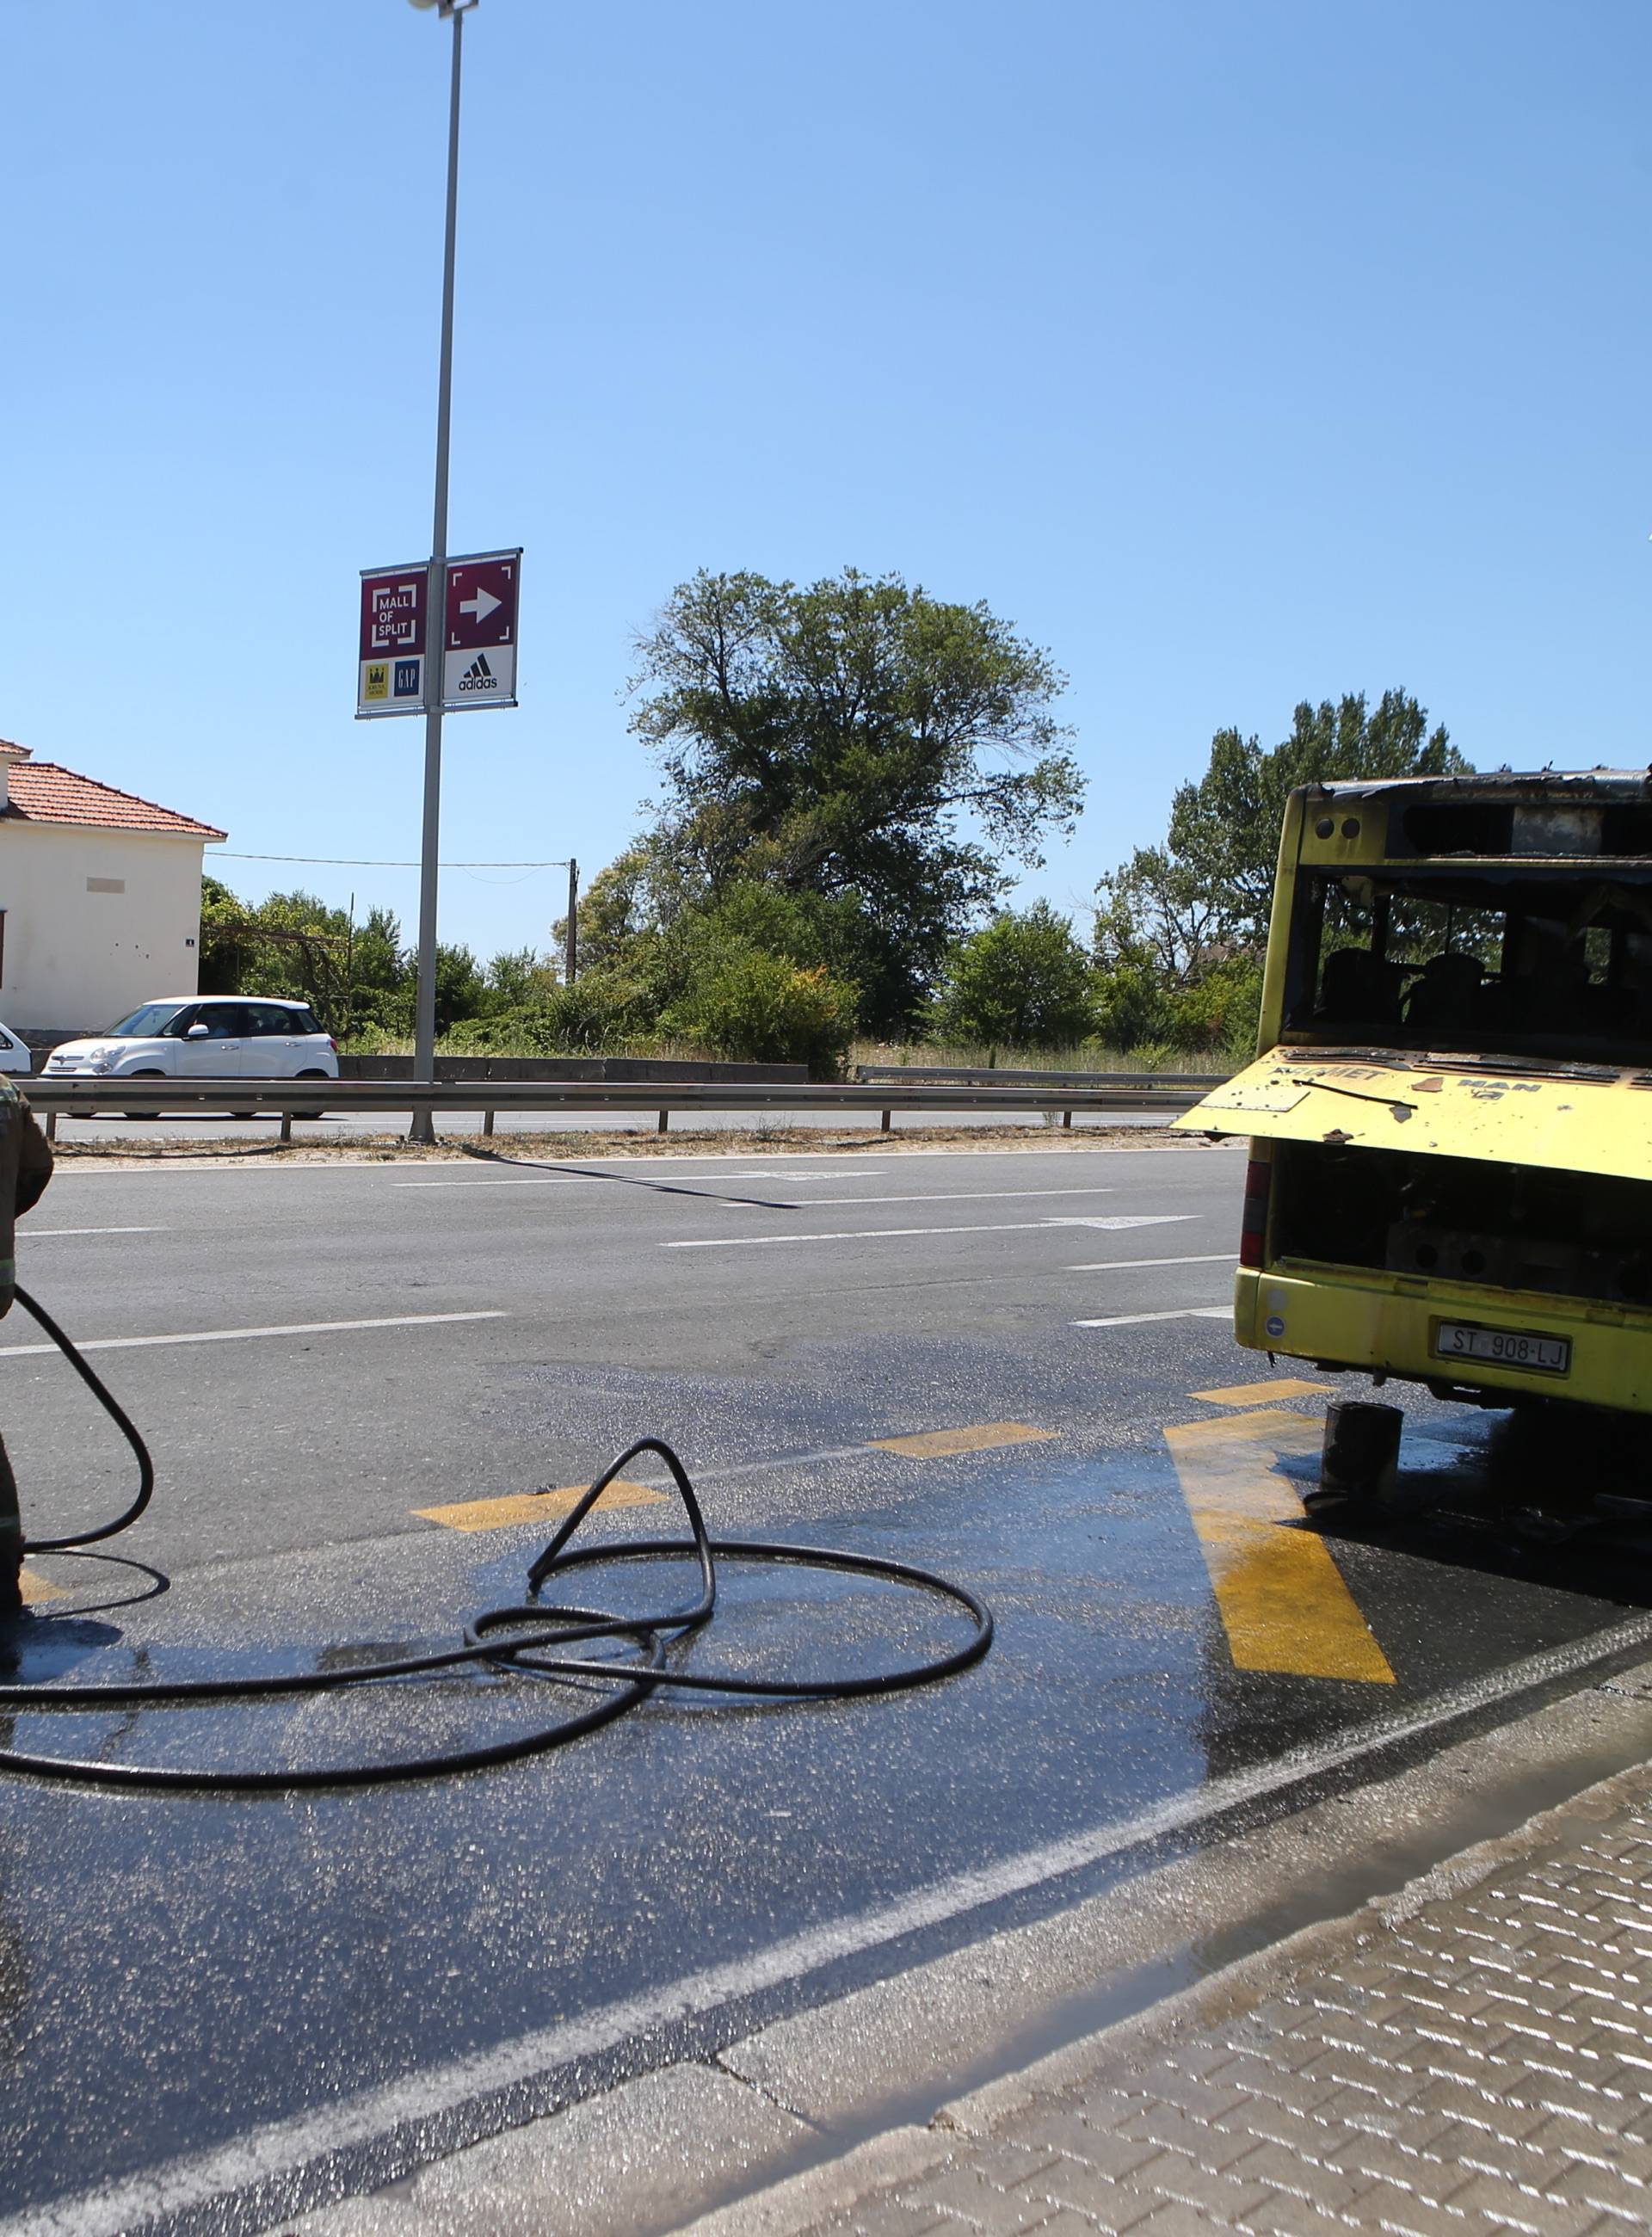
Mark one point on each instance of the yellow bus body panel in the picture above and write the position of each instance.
(1386, 1323)
(1599, 1124)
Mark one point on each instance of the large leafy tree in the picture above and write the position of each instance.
(857, 740)
(1204, 897)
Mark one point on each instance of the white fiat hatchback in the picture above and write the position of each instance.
(204, 1036)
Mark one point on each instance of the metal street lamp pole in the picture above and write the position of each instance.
(422, 1128)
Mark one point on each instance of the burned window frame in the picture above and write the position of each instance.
(1587, 899)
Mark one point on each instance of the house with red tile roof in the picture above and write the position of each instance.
(100, 898)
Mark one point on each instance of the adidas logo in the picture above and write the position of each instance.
(479, 676)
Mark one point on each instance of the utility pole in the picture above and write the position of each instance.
(422, 1128)
(570, 931)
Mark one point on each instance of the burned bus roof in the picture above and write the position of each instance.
(1556, 815)
(1571, 785)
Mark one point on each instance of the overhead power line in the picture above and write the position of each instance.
(351, 862)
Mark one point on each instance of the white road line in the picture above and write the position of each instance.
(1200, 1258)
(1130, 1219)
(946, 1196)
(41, 1234)
(854, 1235)
(573, 1180)
(1178, 1313)
(239, 1335)
(283, 2147)
(862, 1172)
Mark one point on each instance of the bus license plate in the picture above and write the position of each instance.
(1503, 1347)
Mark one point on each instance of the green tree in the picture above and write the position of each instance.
(462, 988)
(229, 953)
(518, 976)
(856, 740)
(1023, 980)
(1181, 930)
(1211, 884)
(640, 891)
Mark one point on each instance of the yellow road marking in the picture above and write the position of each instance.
(536, 1505)
(936, 1444)
(36, 1587)
(1257, 1393)
(1282, 1598)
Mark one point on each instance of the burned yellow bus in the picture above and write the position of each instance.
(1451, 1120)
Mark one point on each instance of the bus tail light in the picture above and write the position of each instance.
(1253, 1224)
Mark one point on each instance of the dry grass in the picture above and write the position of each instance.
(119, 1152)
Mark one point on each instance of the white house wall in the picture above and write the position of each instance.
(95, 922)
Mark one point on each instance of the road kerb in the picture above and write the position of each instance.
(798, 2204)
(898, 2155)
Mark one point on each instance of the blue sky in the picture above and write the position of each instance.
(1237, 355)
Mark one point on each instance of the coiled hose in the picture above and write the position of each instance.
(532, 1638)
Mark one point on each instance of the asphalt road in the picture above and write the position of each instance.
(319, 1353)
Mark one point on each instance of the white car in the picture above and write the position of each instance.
(14, 1055)
(204, 1036)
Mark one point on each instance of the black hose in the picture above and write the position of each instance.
(116, 1413)
(538, 1648)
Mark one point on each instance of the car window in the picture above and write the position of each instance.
(224, 1022)
(268, 1019)
(305, 1021)
(152, 1018)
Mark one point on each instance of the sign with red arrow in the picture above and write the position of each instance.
(478, 641)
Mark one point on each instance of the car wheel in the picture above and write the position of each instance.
(143, 1075)
(311, 1114)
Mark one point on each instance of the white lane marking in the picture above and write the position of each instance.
(1199, 1258)
(953, 1196)
(41, 1234)
(884, 1234)
(574, 1180)
(1132, 1219)
(854, 1235)
(283, 2147)
(1179, 1313)
(239, 1335)
(862, 1172)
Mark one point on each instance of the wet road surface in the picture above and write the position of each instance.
(967, 1361)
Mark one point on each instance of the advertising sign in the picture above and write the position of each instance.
(479, 642)
(390, 655)
(478, 646)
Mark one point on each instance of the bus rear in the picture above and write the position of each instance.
(1451, 1120)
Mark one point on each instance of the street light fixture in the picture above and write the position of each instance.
(422, 1128)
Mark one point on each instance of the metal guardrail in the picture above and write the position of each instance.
(880, 1075)
(289, 1099)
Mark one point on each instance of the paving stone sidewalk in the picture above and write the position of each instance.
(1472, 2055)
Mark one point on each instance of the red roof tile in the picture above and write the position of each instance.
(42, 792)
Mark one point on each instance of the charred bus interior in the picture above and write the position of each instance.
(1507, 961)
(1521, 1228)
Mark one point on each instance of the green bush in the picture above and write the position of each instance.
(1022, 981)
(1131, 1006)
(750, 1006)
(1220, 1010)
(600, 1015)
